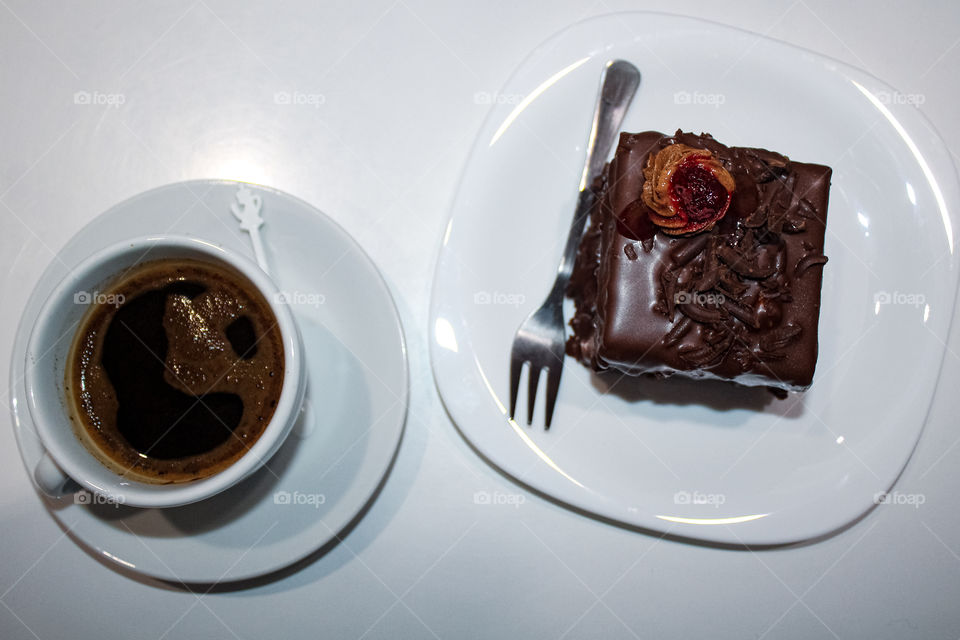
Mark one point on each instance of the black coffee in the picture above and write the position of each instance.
(175, 371)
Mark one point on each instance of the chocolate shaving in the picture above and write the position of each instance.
(690, 250)
(679, 330)
(744, 358)
(765, 236)
(708, 280)
(780, 337)
(668, 278)
(770, 285)
(763, 170)
(808, 261)
(706, 355)
(742, 264)
(778, 201)
(742, 313)
(716, 334)
(701, 313)
(791, 224)
(805, 209)
(759, 216)
(730, 284)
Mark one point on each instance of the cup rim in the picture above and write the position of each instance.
(43, 408)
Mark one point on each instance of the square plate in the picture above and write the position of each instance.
(708, 461)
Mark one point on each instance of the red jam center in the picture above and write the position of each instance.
(697, 192)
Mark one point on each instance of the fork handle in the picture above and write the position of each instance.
(619, 83)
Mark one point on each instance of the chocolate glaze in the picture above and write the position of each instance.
(739, 302)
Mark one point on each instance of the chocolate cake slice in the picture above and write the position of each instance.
(704, 261)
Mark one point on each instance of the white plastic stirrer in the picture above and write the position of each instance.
(247, 210)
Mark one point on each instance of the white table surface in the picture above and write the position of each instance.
(381, 150)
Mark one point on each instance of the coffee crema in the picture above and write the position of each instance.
(175, 372)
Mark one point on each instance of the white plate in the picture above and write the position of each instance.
(330, 469)
(706, 461)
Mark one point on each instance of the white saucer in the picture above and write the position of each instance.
(706, 461)
(328, 471)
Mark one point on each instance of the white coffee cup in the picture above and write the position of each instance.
(67, 458)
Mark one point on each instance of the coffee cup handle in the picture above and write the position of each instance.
(52, 481)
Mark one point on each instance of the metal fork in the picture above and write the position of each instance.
(540, 340)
